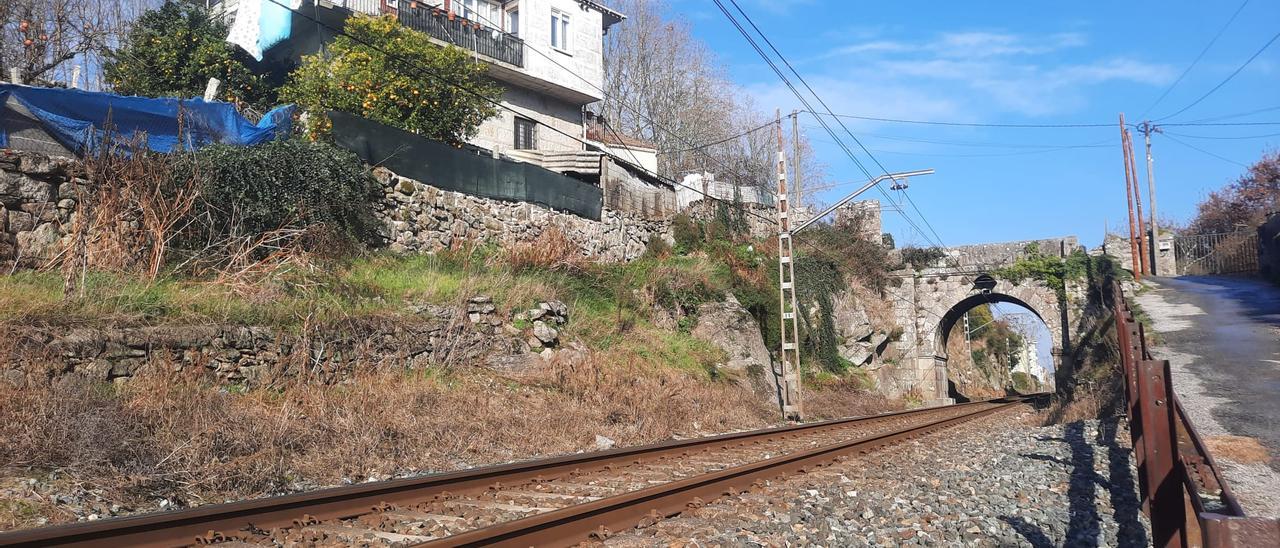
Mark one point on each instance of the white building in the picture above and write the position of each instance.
(547, 54)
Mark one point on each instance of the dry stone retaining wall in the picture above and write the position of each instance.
(37, 197)
(472, 333)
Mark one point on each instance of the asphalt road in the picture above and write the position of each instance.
(1221, 336)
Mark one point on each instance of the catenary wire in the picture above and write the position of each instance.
(809, 107)
(1203, 151)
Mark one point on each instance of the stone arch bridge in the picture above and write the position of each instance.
(929, 302)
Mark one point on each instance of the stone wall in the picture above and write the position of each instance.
(420, 217)
(37, 196)
(472, 333)
(1003, 253)
(1117, 247)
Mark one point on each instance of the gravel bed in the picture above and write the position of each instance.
(997, 481)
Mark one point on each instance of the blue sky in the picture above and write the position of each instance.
(1021, 63)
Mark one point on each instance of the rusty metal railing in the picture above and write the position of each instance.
(1182, 489)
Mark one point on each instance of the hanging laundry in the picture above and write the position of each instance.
(261, 24)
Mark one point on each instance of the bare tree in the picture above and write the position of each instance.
(666, 86)
(46, 39)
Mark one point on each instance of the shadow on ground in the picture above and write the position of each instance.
(1084, 527)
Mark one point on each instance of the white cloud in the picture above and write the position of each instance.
(976, 71)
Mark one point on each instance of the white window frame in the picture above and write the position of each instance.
(561, 27)
(511, 19)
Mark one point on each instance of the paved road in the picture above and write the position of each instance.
(1221, 336)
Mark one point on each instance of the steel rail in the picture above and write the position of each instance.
(186, 527)
(600, 518)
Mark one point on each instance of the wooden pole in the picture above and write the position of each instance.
(1137, 201)
(1128, 193)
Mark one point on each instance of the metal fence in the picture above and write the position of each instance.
(1182, 488)
(464, 33)
(463, 170)
(1222, 253)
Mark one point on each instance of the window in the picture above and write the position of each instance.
(524, 134)
(559, 30)
(513, 22)
(484, 12)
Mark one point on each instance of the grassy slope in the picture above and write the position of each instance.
(184, 439)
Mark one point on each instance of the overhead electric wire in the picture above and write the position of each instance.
(964, 124)
(1194, 61)
(498, 104)
(1203, 151)
(1227, 79)
(1218, 124)
(1237, 115)
(751, 41)
(1223, 137)
(842, 125)
(725, 140)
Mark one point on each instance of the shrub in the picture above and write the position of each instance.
(686, 232)
(289, 183)
(415, 85)
(921, 258)
(173, 51)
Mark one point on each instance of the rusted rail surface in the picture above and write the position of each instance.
(1183, 491)
(806, 446)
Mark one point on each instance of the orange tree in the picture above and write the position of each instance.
(383, 71)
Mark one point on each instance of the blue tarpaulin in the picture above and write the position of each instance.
(76, 119)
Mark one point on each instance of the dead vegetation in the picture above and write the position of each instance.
(180, 438)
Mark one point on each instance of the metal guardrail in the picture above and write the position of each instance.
(1183, 491)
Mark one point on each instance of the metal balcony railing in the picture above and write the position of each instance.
(463, 33)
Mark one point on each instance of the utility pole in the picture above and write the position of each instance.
(1137, 200)
(790, 397)
(795, 155)
(1147, 128)
(1128, 192)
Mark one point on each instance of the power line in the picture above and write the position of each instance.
(1223, 124)
(1227, 79)
(1203, 151)
(1223, 138)
(1237, 115)
(964, 124)
(421, 70)
(805, 102)
(1194, 61)
(725, 140)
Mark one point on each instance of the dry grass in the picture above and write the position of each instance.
(1238, 449)
(181, 438)
(552, 250)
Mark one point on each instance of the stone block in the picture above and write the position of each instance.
(20, 221)
(39, 242)
(44, 212)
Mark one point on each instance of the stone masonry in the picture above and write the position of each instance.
(37, 197)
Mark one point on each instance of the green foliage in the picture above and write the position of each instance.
(686, 232)
(921, 258)
(288, 183)
(1024, 383)
(1053, 271)
(426, 95)
(173, 51)
(858, 258)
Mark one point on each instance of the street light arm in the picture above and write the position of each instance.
(866, 187)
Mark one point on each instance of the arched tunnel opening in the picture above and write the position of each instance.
(994, 345)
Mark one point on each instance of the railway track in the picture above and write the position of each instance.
(556, 501)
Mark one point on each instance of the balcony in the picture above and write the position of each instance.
(464, 33)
